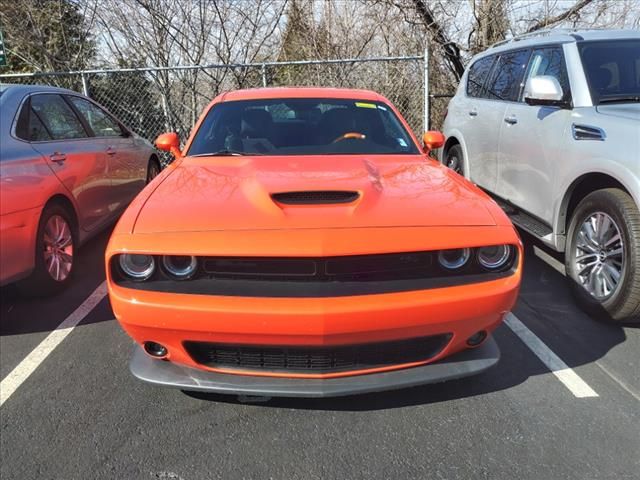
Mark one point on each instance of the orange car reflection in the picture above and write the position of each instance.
(304, 244)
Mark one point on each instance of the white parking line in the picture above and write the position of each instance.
(561, 370)
(27, 366)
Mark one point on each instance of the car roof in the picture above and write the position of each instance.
(24, 89)
(301, 92)
(560, 35)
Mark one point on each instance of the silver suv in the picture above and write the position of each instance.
(549, 124)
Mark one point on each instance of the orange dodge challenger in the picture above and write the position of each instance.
(303, 243)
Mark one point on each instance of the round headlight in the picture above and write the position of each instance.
(454, 259)
(494, 257)
(137, 267)
(180, 267)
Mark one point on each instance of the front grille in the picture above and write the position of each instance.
(316, 359)
(315, 197)
(392, 266)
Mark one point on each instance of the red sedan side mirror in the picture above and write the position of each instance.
(169, 142)
(432, 140)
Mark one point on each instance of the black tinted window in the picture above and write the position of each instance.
(507, 80)
(57, 117)
(612, 69)
(549, 61)
(478, 75)
(29, 126)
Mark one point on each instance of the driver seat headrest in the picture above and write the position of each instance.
(256, 123)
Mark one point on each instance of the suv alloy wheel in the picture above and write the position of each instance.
(603, 244)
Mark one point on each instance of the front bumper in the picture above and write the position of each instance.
(463, 364)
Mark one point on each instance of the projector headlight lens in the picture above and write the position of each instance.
(454, 259)
(137, 267)
(180, 267)
(494, 257)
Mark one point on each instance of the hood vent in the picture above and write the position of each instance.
(586, 132)
(315, 197)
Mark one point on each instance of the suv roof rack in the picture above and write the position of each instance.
(541, 33)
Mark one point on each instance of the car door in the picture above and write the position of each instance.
(497, 93)
(122, 153)
(477, 116)
(532, 140)
(76, 158)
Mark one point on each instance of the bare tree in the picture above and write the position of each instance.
(165, 33)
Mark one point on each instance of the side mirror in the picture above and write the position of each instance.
(544, 90)
(169, 142)
(432, 140)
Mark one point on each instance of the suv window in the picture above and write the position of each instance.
(100, 121)
(57, 117)
(478, 74)
(509, 72)
(548, 61)
(612, 68)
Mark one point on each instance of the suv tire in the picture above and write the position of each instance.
(455, 159)
(603, 245)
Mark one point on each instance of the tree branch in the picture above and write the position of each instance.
(451, 49)
(547, 21)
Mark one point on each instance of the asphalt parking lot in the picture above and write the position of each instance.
(79, 414)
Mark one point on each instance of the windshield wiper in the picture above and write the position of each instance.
(620, 98)
(222, 153)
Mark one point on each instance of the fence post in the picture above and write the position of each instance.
(85, 85)
(426, 87)
(264, 75)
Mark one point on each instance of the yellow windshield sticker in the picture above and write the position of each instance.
(365, 105)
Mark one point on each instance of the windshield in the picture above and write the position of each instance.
(613, 70)
(301, 126)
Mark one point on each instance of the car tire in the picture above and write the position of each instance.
(153, 169)
(56, 242)
(454, 159)
(603, 253)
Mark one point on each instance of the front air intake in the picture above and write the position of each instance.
(315, 197)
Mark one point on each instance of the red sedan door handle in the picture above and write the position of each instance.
(111, 151)
(58, 158)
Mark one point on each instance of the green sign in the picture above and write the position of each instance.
(3, 55)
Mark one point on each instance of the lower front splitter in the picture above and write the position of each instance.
(463, 364)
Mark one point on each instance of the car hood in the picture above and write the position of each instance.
(235, 193)
(629, 111)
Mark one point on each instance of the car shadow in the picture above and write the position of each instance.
(21, 312)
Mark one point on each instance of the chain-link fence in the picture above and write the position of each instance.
(155, 100)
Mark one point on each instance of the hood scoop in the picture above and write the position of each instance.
(315, 197)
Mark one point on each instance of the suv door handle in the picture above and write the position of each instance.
(473, 113)
(512, 120)
(111, 151)
(58, 158)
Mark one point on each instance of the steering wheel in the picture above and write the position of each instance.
(350, 135)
